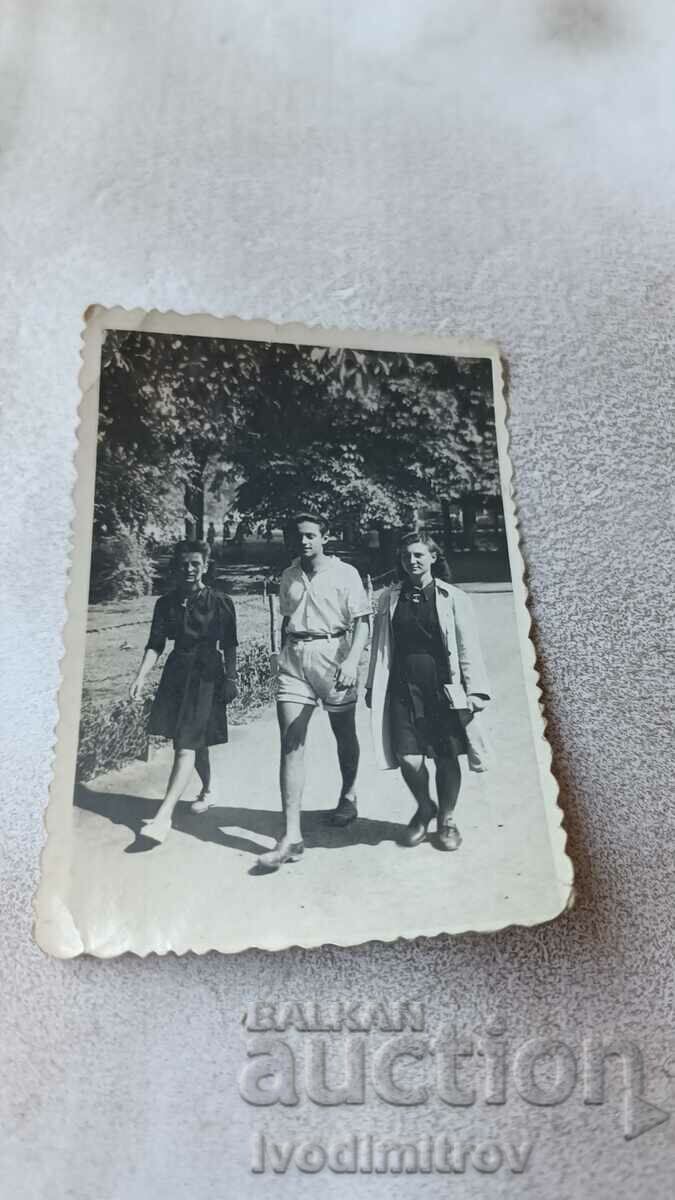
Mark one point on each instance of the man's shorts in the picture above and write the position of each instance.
(307, 671)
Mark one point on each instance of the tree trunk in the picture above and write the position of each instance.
(388, 543)
(349, 532)
(447, 525)
(194, 503)
(494, 504)
(469, 507)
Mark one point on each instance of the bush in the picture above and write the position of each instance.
(121, 567)
(256, 681)
(111, 735)
(114, 734)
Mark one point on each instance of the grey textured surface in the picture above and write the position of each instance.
(498, 171)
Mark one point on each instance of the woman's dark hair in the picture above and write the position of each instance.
(315, 518)
(439, 568)
(182, 548)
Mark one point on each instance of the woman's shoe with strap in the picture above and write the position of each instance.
(448, 836)
(416, 830)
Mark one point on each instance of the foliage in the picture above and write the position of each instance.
(255, 679)
(168, 409)
(111, 735)
(367, 436)
(122, 568)
(114, 734)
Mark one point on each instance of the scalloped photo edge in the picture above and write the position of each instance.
(154, 905)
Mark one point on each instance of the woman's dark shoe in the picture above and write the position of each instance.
(273, 859)
(448, 837)
(345, 813)
(416, 830)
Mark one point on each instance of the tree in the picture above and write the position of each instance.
(168, 411)
(368, 436)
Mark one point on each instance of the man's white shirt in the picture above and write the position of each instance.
(327, 602)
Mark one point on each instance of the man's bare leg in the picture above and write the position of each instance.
(343, 725)
(293, 720)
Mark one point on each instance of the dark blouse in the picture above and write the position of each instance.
(207, 619)
(190, 704)
(416, 625)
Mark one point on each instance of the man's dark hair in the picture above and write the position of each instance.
(306, 515)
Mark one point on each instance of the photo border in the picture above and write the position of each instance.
(54, 928)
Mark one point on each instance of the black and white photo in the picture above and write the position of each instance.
(299, 700)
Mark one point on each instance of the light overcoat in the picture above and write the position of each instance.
(465, 661)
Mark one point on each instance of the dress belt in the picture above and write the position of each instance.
(315, 637)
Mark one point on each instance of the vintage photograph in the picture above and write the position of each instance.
(299, 701)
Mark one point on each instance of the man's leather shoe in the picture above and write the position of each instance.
(345, 813)
(273, 859)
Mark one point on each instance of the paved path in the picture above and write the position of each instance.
(197, 890)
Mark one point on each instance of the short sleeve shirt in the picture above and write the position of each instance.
(328, 602)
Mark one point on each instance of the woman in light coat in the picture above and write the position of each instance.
(427, 686)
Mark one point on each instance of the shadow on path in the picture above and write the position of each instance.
(130, 810)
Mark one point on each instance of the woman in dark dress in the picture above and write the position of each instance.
(198, 681)
(425, 646)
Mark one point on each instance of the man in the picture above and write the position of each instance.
(324, 631)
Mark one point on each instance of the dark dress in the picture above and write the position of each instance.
(189, 705)
(422, 721)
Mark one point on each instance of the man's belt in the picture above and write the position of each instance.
(315, 637)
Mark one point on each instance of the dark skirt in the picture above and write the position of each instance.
(189, 705)
(421, 719)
